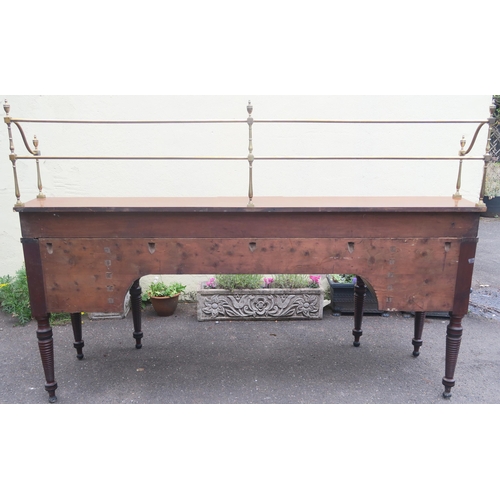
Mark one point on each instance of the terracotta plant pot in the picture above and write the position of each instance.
(165, 306)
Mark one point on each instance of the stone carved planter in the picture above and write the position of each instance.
(260, 304)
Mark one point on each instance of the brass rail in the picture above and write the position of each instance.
(255, 120)
(260, 158)
(250, 157)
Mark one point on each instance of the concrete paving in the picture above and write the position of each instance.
(186, 361)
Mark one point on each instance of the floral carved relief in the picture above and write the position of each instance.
(260, 304)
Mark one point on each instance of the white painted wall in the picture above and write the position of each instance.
(229, 178)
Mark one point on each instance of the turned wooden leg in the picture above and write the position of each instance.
(418, 329)
(76, 322)
(453, 339)
(359, 299)
(135, 304)
(46, 347)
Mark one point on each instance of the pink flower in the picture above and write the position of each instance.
(268, 281)
(314, 280)
(211, 283)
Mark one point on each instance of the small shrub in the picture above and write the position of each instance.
(238, 281)
(290, 281)
(233, 282)
(294, 281)
(14, 296)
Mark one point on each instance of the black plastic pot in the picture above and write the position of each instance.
(342, 295)
(493, 206)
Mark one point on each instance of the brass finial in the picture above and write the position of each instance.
(462, 146)
(35, 143)
(6, 107)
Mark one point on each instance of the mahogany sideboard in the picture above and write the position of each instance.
(84, 254)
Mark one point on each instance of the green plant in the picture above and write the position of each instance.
(161, 289)
(238, 281)
(15, 299)
(233, 282)
(294, 281)
(14, 296)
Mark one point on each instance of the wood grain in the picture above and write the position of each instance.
(249, 225)
(95, 274)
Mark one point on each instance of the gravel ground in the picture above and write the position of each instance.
(185, 361)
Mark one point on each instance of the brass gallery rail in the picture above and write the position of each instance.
(250, 157)
(84, 254)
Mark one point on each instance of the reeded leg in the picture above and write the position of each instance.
(46, 347)
(453, 339)
(76, 322)
(135, 304)
(359, 299)
(418, 329)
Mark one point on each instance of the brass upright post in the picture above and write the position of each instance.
(250, 155)
(12, 156)
(457, 195)
(36, 152)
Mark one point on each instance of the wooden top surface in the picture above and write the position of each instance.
(261, 204)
